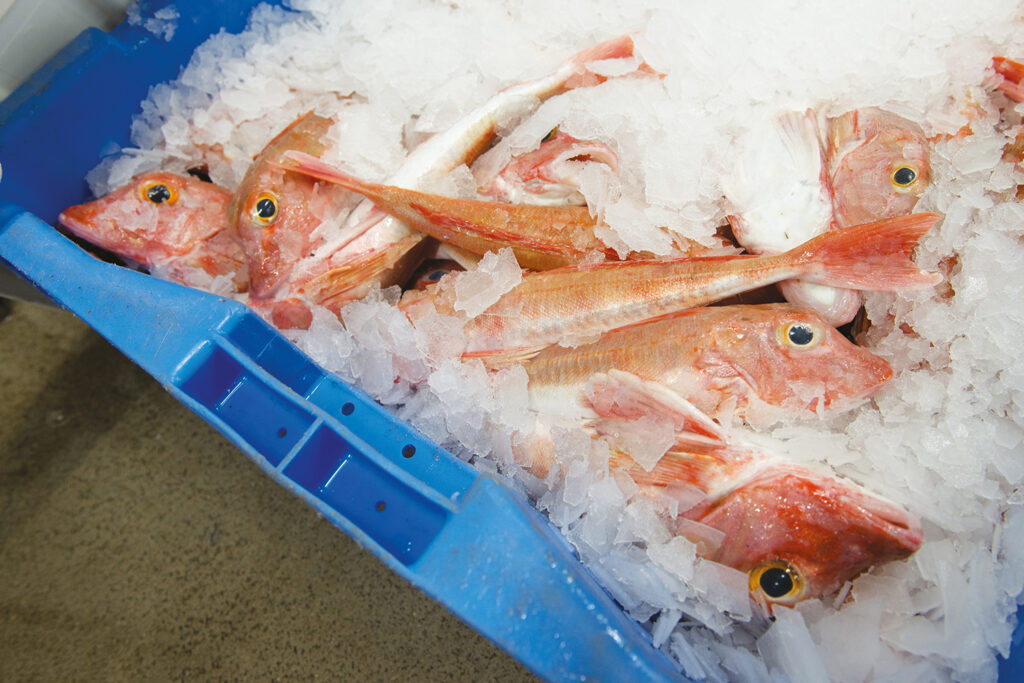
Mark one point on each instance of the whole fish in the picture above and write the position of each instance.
(797, 533)
(371, 243)
(753, 362)
(576, 304)
(174, 225)
(548, 175)
(802, 175)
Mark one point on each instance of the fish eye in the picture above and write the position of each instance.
(797, 335)
(264, 209)
(159, 193)
(778, 580)
(904, 176)
(436, 275)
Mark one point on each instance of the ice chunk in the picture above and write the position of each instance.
(788, 647)
(496, 274)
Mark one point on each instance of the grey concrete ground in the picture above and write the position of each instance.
(136, 543)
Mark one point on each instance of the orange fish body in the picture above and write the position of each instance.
(542, 237)
(174, 225)
(576, 304)
(763, 361)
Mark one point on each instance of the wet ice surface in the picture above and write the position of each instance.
(959, 377)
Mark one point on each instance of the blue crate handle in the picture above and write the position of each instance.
(460, 536)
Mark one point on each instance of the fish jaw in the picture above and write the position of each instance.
(125, 222)
(865, 149)
(825, 529)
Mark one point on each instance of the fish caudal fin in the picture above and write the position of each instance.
(873, 256)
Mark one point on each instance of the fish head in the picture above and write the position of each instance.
(879, 165)
(155, 217)
(550, 174)
(799, 534)
(791, 358)
(277, 211)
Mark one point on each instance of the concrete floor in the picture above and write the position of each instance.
(137, 543)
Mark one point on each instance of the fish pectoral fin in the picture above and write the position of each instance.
(360, 270)
(622, 395)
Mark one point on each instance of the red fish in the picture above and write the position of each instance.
(797, 177)
(575, 304)
(277, 213)
(797, 533)
(755, 362)
(174, 225)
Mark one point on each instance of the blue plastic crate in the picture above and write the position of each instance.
(461, 537)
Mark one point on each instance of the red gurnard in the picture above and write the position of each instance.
(796, 532)
(575, 304)
(174, 225)
(277, 213)
(801, 175)
(754, 362)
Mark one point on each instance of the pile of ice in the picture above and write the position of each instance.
(943, 439)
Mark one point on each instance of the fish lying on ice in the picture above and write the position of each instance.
(575, 304)
(365, 251)
(801, 175)
(756, 363)
(796, 532)
(174, 225)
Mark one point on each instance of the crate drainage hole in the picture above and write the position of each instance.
(347, 409)
(408, 451)
(282, 432)
(380, 506)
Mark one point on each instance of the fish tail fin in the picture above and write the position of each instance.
(873, 256)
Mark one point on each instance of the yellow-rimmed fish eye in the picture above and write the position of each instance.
(159, 193)
(551, 135)
(797, 335)
(264, 208)
(777, 580)
(903, 176)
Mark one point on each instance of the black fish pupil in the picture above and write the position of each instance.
(904, 175)
(158, 194)
(801, 335)
(436, 275)
(265, 208)
(776, 582)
